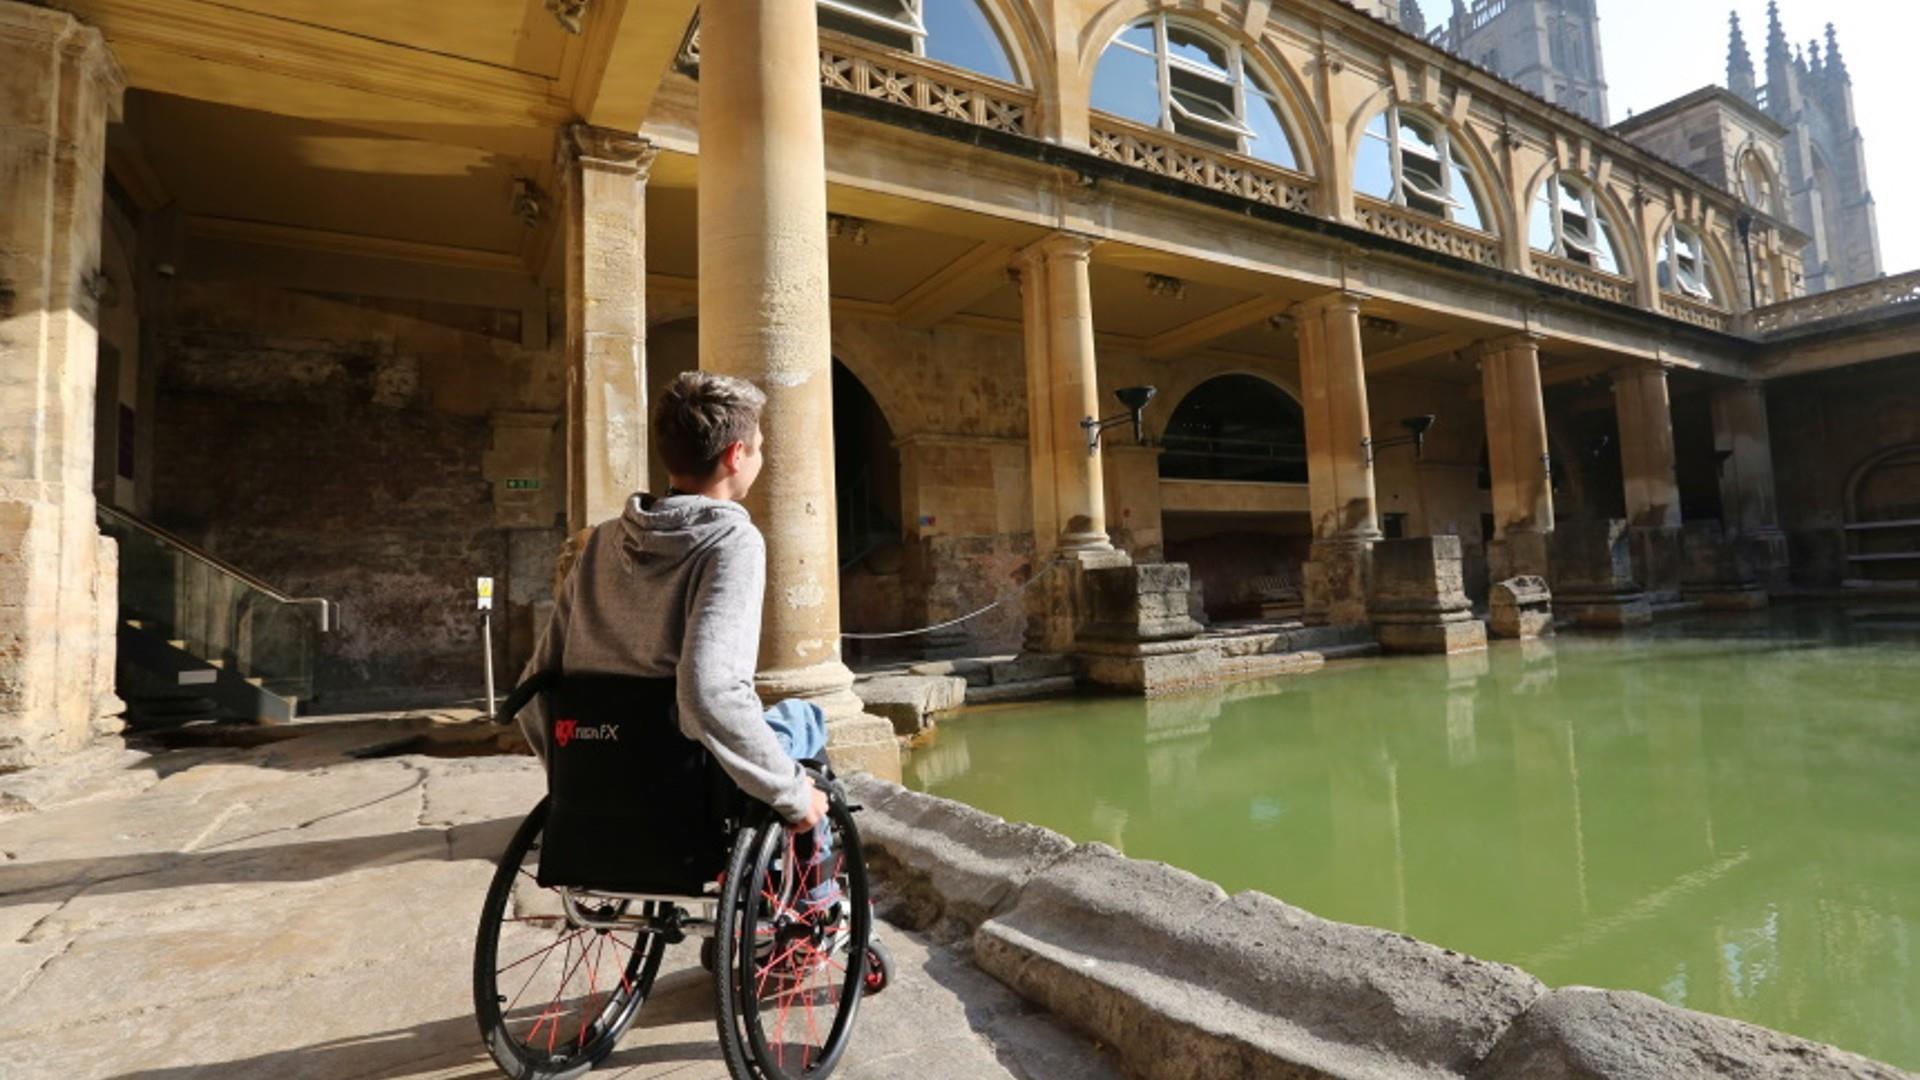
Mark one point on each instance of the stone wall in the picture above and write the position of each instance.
(337, 451)
(1826, 427)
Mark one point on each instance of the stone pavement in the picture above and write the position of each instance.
(291, 911)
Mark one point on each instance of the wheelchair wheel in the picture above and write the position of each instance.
(552, 997)
(791, 958)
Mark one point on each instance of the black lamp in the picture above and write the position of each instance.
(1416, 437)
(1135, 399)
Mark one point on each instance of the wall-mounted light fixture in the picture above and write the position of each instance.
(1135, 399)
(1416, 437)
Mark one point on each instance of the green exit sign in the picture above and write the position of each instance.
(522, 483)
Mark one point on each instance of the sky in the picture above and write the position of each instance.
(1658, 50)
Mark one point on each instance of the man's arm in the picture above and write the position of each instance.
(715, 677)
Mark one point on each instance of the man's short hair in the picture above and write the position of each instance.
(699, 416)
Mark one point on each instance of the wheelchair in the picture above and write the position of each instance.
(642, 842)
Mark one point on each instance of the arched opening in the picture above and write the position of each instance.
(1233, 471)
(1409, 159)
(1569, 223)
(1883, 516)
(1170, 74)
(956, 32)
(866, 476)
(1757, 184)
(1687, 269)
(1236, 427)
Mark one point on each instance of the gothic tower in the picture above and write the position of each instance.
(1828, 195)
(1550, 47)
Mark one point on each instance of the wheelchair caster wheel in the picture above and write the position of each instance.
(879, 967)
(708, 949)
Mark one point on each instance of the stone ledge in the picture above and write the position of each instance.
(1580, 1033)
(953, 866)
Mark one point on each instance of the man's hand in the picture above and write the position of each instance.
(816, 809)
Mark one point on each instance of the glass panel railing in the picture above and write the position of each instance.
(215, 611)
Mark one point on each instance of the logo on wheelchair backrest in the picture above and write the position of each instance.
(565, 731)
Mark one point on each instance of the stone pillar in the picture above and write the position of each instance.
(604, 175)
(1419, 603)
(1346, 518)
(1517, 455)
(763, 284)
(59, 88)
(1069, 487)
(1750, 512)
(1646, 468)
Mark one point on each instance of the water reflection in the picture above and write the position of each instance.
(1721, 812)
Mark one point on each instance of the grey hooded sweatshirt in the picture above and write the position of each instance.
(673, 587)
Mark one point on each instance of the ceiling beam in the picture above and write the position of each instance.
(962, 282)
(223, 54)
(1210, 328)
(339, 243)
(618, 78)
(1425, 349)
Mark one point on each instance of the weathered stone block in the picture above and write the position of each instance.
(1519, 554)
(1463, 635)
(1204, 985)
(1140, 602)
(1027, 667)
(1152, 672)
(1584, 1034)
(1717, 571)
(1593, 575)
(910, 701)
(1656, 561)
(1521, 608)
(950, 863)
(1334, 583)
(1419, 601)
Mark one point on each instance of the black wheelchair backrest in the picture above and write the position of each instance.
(634, 805)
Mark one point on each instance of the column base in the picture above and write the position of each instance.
(1056, 607)
(1335, 580)
(1657, 561)
(1461, 634)
(1150, 668)
(1419, 601)
(857, 740)
(1614, 611)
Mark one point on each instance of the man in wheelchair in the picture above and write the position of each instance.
(660, 617)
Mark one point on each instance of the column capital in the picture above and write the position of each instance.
(79, 42)
(1347, 300)
(604, 150)
(1524, 339)
(1059, 245)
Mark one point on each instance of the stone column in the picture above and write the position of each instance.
(59, 88)
(604, 173)
(763, 289)
(1646, 468)
(1746, 479)
(1517, 453)
(1346, 518)
(1069, 486)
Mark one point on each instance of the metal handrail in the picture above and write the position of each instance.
(207, 558)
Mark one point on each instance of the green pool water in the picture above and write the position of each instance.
(1723, 812)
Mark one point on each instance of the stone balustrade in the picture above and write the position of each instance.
(1396, 223)
(1687, 310)
(1889, 292)
(1583, 279)
(1152, 151)
(926, 87)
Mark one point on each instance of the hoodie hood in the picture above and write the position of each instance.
(677, 527)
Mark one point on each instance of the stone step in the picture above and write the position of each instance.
(910, 701)
(1051, 686)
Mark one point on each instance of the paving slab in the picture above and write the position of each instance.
(287, 910)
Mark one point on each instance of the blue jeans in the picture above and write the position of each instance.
(801, 728)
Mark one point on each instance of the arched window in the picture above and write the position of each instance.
(1408, 160)
(1162, 72)
(1567, 222)
(1236, 427)
(1756, 181)
(953, 32)
(1684, 267)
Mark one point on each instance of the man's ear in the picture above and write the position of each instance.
(730, 457)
